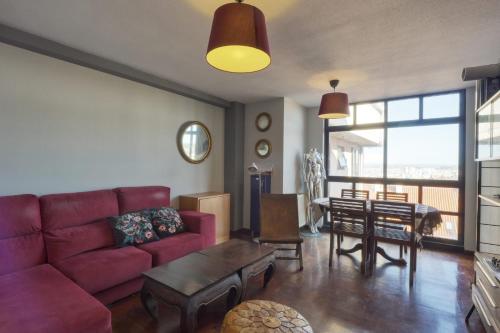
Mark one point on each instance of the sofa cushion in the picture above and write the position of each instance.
(75, 209)
(67, 242)
(131, 199)
(133, 228)
(73, 222)
(41, 299)
(98, 270)
(21, 241)
(173, 247)
(166, 222)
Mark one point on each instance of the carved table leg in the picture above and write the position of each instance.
(357, 247)
(189, 317)
(148, 302)
(265, 264)
(269, 273)
(399, 262)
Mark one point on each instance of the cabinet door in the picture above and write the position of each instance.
(495, 130)
(219, 206)
(483, 144)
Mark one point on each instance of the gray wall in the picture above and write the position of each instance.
(67, 128)
(315, 127)
(234, 146)
(288, 136)
(470, 173)
(275, 135)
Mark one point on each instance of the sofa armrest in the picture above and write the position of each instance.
(200, 223)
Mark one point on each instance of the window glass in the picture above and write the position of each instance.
(443, 198)
(373, 188)
(335, 188)
(448, 229)
(440, 106)
(356, 153)
(403, 109)
(370, 113)
(423, 152)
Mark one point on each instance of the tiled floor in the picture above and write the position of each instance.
(341, 300)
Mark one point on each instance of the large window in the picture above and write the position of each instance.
(413, 145)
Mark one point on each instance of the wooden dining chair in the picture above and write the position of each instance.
(392, 196)
(279, 223)
(399, 214)
(395, 196)
(350, 217)
(355, 194)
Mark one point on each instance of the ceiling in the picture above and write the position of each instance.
(377, 48)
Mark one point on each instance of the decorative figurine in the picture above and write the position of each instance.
(314, 174)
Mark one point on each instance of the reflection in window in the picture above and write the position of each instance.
(370, 113)
(423, 152)
(403, 109)
(356, 153)
(441, 106)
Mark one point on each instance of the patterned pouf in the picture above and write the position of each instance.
(257, 316)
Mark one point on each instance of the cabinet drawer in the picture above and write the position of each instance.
(483, 311)
(489, 289)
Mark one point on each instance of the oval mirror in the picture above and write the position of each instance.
(194, 142)
(263, 148)
(263, 121)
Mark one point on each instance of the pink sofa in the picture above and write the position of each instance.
(58, 262)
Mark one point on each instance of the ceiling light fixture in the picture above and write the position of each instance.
(334, 105)
(238, 41)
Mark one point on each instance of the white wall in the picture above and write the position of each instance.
(66, 128)
(274, 134)
(294, 138)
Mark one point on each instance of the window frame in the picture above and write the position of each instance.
(420, 183)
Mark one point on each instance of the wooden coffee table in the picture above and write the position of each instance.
(202, 277)
(248, 259)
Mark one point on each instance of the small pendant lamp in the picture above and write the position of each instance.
(334, 105)
(238, 41)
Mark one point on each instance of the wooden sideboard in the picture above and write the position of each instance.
(486, 293)
(214, 203)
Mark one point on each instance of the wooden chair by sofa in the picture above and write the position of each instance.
(400, 214)
(394, 196)
(350, 217)
(279, 219)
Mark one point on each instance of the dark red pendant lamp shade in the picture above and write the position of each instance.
(334, 105)
(238, 41)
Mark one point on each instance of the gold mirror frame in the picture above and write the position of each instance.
(263, 141)
(180, 133)
(269, 119)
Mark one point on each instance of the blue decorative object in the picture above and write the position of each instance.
(264, 180)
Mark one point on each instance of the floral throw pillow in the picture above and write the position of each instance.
(133, 228)
(167, 222)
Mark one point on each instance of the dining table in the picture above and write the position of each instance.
(427, 219)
